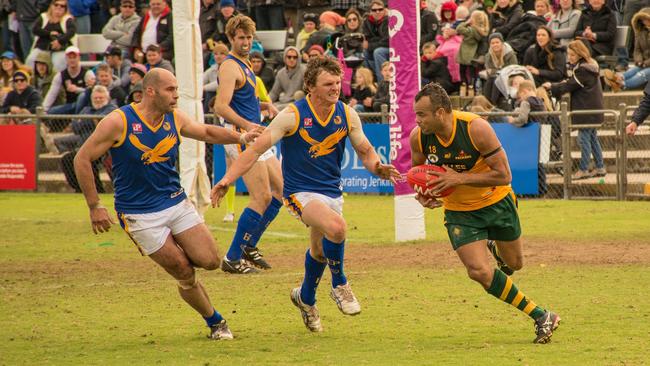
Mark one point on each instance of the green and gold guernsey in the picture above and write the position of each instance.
(460, 154)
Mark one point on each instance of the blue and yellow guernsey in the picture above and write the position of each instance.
(244, 99)
(460, 154)
(316, 149)
(144, 164)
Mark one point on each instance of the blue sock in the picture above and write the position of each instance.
(246, 227)
(216, 318)
(313, 272)
(269, 215)
(334, 254)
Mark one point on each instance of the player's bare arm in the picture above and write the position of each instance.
(270, 108)
(279, 127)
(418, 158)
(489, 146)
(229, 76)
(106, 134)
(367, 153)
(212, 134)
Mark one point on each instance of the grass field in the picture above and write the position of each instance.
(68, 297)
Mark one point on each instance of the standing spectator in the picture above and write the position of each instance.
(499, 56)
(43, 75)
(565, 21)
(641, 113)
(119, 66)
(586, 94)
(433, 66)
(80, 10)
(505, 15)
(156, 28)
(23, 99)
(545, 59)
(597, 28)
(288, 84)
(268, 14)
(211, 75)
(155, 59)
(27, 11)
(363, 90)
(375, 28)
(207, 22)
(119, 29)
(136, 74)
(53, 30)
(73, 81)
(429, 24)
(258, 64)
(9, 64)
(474, 32)
(383, 88)
(639, 74)
(226, 11)
(309, 25)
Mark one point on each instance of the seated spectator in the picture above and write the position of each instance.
(288, 84)
(505, 15)
(433, 67)
(542, 9)
(43, 75)
(480, 104)
(114, 86)
(545, 59)
(121, 27)
(73, 80)
(226, 11)
(265, 73)
(309, 25)
(499, 56)
(527, 101)
(315, 51)
(448, 46)
(136, 74)
(474, 31)
(352, 21)
(9, 64)
(597, 28)
(564, 22)
(155, 28)
(53, 31)
(119, 66)
(472, 5)
(328, 21)
(155, 59)
(23, 99)
(429, 24)
(375, 28)
(135, 96)
(363, 90)
(639, 74)
(383, 88)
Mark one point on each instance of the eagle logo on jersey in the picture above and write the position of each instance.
(167, 126)
(155, 155)
(322, 148)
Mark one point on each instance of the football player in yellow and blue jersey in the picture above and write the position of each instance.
(152, 208)
(483, 208)
(238, 104)
(313, 132)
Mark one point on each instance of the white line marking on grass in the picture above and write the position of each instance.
(272, 233)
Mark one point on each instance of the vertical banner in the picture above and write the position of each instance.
(18, 157)
(404, 31)
(189, 73)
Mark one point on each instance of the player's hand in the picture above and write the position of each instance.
(447, 179)
(218, 192)
(388, 172)
(252, 134)
(100, 219)
(630, 129)
(273, 111)
(427, 202)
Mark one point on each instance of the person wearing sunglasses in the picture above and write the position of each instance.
(120, 28)
(288, 84)
(375, 28)
(23, 99)
(53, 31)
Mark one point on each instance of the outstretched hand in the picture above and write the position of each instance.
(252, 134)
(443, 180)
(100, 219)
(387, 171)
(218, 192)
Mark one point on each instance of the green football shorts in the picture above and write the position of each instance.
(498, 221)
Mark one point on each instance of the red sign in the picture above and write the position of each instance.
(18, 157)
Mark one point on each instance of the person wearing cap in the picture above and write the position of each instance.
(316, 51)
(135, 96)
(328, 23)
(375, 28)
(499, 55)
(261, 70)
(53, 32)
(155, 59)
(9, 64)
(23, 99)
(136, 74)
(120, 28)
(119, 65)
(309, 27)
(156, 27)
(268, 14)
(226, 12)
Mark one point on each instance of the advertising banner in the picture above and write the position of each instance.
(18, 157)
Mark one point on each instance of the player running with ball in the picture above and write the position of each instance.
(482, 206)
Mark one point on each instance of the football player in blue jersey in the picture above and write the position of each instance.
(313, 131)
(152, 207)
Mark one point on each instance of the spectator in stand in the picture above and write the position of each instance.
(363, 90)
(527, 101)
(80, 10)
(156, 28)
(472, 5)
(226, 11)
(639, 74)
(565, 21)
(155, 59)
(43, 75)
(136, 74)
(342, 7)
(268, 14)
(207, 22)
(448, 41)
(328, 23)
(353, 21)
(119, 66)
(597, 28)
(9, 64)
(23, 99)
(375, 28)
(53, 31)
(27, 12)
(499, 56)
(434, 69)
(120, 28)
(545, 59)
(309, 25)
(260, 69)
(72, 79)
(288, 84)
(315, 51)
(211, 75)
(448, 14)
(505, 15)
(106, 78)
(383, 88)
(429, 24)
(542, 9)
(135, 96)
(474, 32)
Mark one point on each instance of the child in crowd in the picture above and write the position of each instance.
(363, 90)
(433, 66)
(527, 101)
(481, 104)
(474, 31)
(309, 26)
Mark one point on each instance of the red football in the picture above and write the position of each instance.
(417, 179)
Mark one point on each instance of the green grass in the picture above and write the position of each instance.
(68, 297)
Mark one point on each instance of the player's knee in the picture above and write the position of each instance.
(337, 230)
(516, 263)
(188, 279)
(211, 263)
(182, 271)
(482, 275)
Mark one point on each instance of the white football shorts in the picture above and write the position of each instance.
(298, 201)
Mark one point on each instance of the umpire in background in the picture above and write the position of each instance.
(641, 113)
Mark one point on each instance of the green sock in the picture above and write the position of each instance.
(504, 289)
(230, 199)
